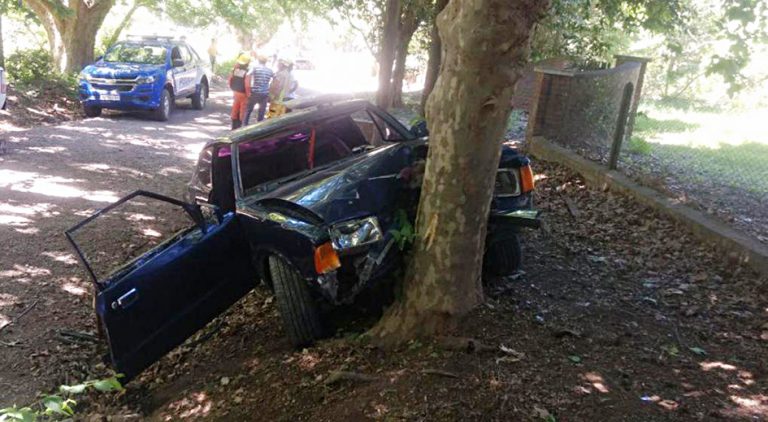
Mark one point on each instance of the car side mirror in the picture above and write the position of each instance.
(420, 129)
(178, 62)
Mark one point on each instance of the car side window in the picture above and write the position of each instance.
(185, 55)
(204, 167)
(375, 129)
(176, 54)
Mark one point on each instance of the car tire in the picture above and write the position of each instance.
(300, 314)
(504, 255)
(92, 111)
(198, 100)
(163, 112)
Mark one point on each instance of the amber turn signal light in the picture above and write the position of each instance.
(326, 258)
(526, 178)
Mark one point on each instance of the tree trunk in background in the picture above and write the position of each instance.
(387, 53)
(467, 115)
(71, 29)
(2, 50)
(433, 62)
(408, 25)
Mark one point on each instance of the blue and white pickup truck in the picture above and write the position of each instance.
(147, 74)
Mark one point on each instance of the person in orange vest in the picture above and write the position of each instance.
(240, 84)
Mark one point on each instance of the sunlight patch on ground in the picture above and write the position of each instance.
(48, 150)
(74, 289)
(13, 220)
(8, 300)
(22, 181)
(708, 366)
(24, 273)
(709, 130)
(195, 405)
(191, 152)
(63, 257)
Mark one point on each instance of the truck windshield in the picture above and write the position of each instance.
(136, 53)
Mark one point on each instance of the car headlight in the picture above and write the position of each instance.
(353, 234)
(85, 77)
(507, 183)
(145, 80)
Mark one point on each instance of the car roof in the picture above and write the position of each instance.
(292, 119)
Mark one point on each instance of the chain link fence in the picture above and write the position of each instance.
(712, 159)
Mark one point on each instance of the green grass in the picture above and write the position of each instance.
(728, 146)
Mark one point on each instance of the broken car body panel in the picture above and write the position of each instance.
(284, 187)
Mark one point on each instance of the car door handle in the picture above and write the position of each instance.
(126, 300)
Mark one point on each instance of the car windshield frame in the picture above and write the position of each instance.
(137, 46)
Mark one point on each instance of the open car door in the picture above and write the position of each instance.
(154, 302)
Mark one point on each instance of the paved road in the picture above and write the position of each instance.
(50, 177)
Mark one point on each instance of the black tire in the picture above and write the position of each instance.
(163, 112)
(504, 255)
(198, 100)
(298, 310)
(92, 111)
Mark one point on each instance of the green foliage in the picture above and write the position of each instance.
(56, 407)
(224, 67)
(638, 145)
(403, 231)
(254, 21)
(29, 66)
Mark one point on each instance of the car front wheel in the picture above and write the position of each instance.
(198, 100)
(92, 111)
(163, 113)
(298, 310)
(504, 254)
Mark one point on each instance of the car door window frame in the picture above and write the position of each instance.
(192, 210)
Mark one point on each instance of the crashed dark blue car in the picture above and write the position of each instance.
(309, 203)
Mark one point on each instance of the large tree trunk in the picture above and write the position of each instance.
(2, 50)
(466, 114)
(71, 29)
(433, 61)
(387, 52)
(408, 25)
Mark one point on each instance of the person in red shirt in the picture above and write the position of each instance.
(240, 84)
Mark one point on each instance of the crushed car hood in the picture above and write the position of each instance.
(358, 186)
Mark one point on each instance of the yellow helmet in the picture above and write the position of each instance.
(243, 59)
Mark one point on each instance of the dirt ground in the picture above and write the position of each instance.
(619, 314)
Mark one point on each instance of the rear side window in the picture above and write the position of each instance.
(204, 167)
(375, 129)
(302, 149)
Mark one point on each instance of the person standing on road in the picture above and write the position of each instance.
(260, 77)
(213, 51)
(280, 86)
(240, 84)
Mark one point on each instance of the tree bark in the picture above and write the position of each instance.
(466, 114)
(408, 25)
(433, 61)
(2, 50)
(387, 52)
(71, 29)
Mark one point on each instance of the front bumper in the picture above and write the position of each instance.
(359, 271)
(120, 97)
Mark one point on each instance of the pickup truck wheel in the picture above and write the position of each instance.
(163, 113)
(298, 310)
(503, 256)
(92, 111)
(198, 100)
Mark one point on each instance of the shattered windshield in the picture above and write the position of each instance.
(136, 53)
